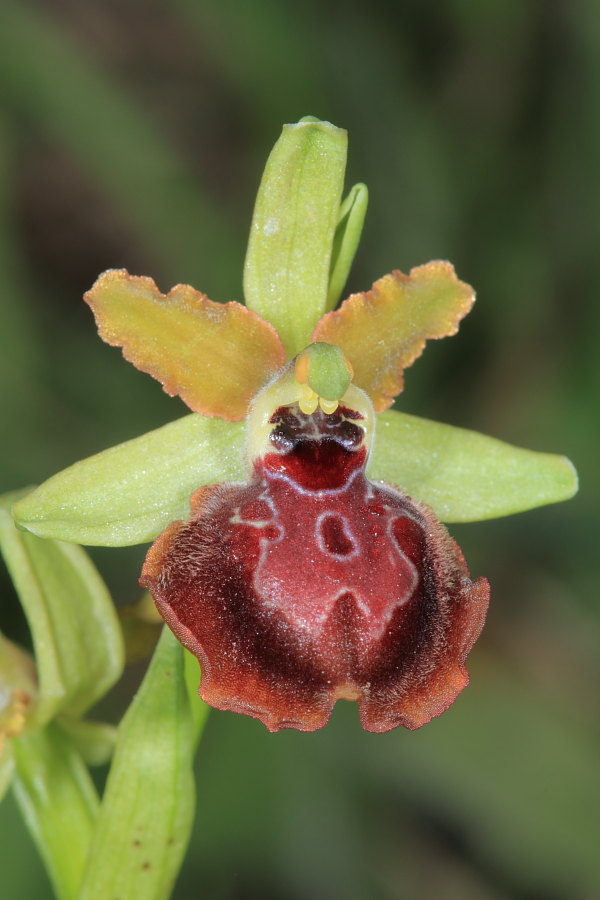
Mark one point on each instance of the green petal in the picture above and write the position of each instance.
(345, 243)
(75, 631)
(59, 803)
(286, 276)
(463, 475)
(148, 806)
(129, 493)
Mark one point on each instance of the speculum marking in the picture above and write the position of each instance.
(334, 535)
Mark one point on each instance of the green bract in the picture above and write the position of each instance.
(79, 655)
(94, 741)
(59, 803)
(76, 636)
(147, 811)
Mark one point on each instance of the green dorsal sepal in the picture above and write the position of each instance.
(296, 216)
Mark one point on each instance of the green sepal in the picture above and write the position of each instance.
(142, 624)
(76, 635)
(463, 475)
(129, 493)
(59, 803)
(286, 275)
(346, 239)
(147, 811)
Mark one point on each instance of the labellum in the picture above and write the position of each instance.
(310, 583)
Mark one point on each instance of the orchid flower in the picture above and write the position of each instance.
(313, 564)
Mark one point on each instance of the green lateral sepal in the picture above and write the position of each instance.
(463, 475)
(76, 635)
(129, 493)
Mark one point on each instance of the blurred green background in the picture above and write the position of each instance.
(133, 134)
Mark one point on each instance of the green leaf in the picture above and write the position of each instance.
(463, 475)
(59, 803)
(199, 709)
(148, 806)
(345, 242)
(76, 634)
(286, 277)
(130, 493)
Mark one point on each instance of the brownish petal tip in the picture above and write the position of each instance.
(215, 356)
(383, 331)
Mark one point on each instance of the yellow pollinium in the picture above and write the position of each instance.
(309, 400)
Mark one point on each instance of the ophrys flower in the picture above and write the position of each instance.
(310, 568)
